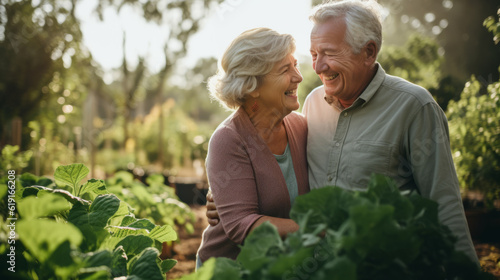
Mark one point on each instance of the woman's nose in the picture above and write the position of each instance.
(297, 77)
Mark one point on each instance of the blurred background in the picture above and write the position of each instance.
(120, 85)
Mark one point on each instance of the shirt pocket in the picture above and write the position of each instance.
(366, 158)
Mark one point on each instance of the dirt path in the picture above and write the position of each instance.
(185, 250)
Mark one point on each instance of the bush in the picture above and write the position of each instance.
(474, 123)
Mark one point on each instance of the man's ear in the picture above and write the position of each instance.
(371, 51)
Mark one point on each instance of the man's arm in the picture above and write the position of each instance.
(434, 172)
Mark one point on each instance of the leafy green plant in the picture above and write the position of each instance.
(157, 201)
(474, 123)
(13, 159)
(344, 235)
(62, 235)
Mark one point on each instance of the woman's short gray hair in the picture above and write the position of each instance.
(363, 20)
(246, 61)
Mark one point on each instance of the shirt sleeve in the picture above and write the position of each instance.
(428, 149)
(231, 179)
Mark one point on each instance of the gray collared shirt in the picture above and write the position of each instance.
(394, 128)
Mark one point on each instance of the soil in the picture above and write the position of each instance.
(185, 250)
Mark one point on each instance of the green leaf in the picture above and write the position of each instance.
(253, 253)
(28, 179)
(144, 266)
(65, 194)
(341, 268)
(101, 209)
(43, 205)
(43, 237)
(120, 232)
(155, 179)
(135, 244)
(163, 233)
(285, 263)
(216, 269)
(328, 205)
(167, 265)
(63, 260)
(93, 185)
(99, 258)
(142, 223)
(119, 262)
(71, 175)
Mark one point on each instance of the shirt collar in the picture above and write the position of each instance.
(374, 85)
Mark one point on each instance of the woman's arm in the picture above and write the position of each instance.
(284, 226)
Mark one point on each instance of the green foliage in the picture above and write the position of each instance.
(493, 26)
(12, 159)
(64, 236)
(417, 61)
(156, 202)
(474, 123)
(378, 234)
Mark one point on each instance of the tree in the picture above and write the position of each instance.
(183, 19)
(38, 41)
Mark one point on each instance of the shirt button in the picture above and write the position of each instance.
(345, 114)
(337, 144)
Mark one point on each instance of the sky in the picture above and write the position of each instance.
(104, 39)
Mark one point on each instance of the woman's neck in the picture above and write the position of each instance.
(269, 125)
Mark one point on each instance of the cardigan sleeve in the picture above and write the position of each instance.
(231, 179)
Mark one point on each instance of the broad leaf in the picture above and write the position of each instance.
(253, 254)
(167, 265)
(163, 233)
(143, 266)
(119, 262)
(71, 175)
(135, 244)
(95, 186)
(43, 205)
(101, 209)
(43, 237)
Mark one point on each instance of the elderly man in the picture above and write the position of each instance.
(363, 121)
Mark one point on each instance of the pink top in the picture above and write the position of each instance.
(247, 182)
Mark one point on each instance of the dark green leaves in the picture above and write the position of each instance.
(377, 234)
(257, 245)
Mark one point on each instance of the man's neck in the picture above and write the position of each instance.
(371, 74)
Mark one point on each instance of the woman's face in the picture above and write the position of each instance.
(278, 91)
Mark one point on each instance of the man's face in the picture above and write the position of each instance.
(341, 71)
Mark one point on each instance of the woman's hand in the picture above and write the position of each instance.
(212, 214)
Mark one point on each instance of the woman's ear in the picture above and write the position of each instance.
(254, 94)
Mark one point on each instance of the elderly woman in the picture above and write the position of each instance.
(256, 162)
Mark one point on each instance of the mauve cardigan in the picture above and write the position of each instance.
(246, 180)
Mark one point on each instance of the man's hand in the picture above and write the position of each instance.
(212, 214)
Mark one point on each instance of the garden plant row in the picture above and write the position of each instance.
(64, 230)
(346, 235)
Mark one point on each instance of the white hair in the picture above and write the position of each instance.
(363, 20)
(246, 61)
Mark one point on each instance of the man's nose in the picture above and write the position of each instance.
(320, 65)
